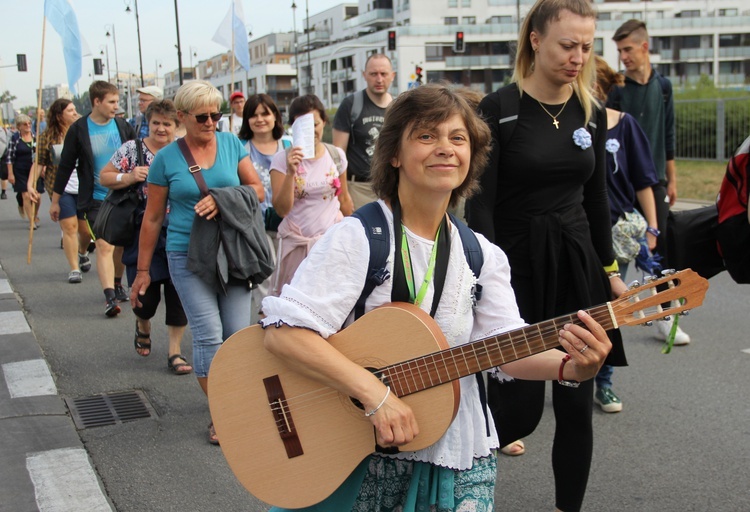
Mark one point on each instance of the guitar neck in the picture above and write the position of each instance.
(448, 365)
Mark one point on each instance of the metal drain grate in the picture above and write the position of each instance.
(109, 409)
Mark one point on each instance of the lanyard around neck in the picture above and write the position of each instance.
(400, 291)
(409, 273)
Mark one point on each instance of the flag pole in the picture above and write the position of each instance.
(35, 167)
(234, 64)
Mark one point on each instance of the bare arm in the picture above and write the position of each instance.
(582, 366)
(282, 184)
(347, 205)
(340, 139)
(648, 205)
(108, 176)
(36, 171)
(671, 175)
(311, 355)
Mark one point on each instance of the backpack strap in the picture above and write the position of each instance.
(508, 101)
(358, 104)
(379, 237)
(334, 154)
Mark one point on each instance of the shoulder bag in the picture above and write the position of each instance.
(115, 222)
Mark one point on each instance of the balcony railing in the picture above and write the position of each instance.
(373, 18)
(735, 52)
(697, 53)
(477, 61)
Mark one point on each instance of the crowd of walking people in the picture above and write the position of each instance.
(236, 225)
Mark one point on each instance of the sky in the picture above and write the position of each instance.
(23, 20)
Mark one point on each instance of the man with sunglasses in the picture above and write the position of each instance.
(89, 144)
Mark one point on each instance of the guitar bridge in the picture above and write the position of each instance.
(282, 416)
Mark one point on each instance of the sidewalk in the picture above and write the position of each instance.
(44, 464)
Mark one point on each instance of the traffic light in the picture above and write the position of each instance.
(458, 46)
(21, 61)
(418, 72)
(98, 68)
(391, 40)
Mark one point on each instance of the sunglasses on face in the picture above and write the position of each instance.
(202, 118)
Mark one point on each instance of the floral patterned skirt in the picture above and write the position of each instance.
(382, 484)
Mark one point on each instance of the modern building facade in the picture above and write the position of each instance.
(689, 39)
(270, 72)
(50, 93)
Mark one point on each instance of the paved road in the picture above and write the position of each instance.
(681, 443)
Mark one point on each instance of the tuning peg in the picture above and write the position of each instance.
(634, 285)
(665, 318)
(685, 313)
(649, 279)
(668, 272)
(648, 324)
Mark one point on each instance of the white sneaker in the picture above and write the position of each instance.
(662, 331)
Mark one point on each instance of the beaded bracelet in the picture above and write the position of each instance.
(387, 392)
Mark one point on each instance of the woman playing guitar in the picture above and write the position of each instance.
(428, 156)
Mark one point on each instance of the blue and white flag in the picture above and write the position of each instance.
(232, 34)
(63, 19)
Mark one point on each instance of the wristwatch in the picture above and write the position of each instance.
(653, 231)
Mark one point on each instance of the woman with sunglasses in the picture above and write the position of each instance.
(213, 315)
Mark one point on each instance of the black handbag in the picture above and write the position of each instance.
(115, 222)
(691, 241)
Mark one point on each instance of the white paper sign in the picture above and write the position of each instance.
(303, 135)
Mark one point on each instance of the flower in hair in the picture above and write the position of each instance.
(582, 138)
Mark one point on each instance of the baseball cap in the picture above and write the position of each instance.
(235, 95)
(154, 91)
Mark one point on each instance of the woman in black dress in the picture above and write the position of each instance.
(544, 202)
(20, 159)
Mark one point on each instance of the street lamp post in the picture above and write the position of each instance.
(103, 52)
(179, 47)
(307, 28)
(296, 49)
(157, 65)
(117, 65)
(193, 53)
(138, 28)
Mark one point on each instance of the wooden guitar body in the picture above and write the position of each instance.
(334, 434)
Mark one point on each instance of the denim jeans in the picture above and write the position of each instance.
(212, 316)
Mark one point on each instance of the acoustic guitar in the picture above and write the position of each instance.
(292, 441)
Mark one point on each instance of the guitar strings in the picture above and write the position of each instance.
(416, 368)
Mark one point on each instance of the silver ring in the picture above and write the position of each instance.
(584, 349)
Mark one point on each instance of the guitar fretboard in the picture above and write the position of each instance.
(448, 365)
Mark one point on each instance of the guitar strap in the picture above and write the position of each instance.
(400, 290)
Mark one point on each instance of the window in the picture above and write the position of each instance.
(451, 20)
(324, 68)
(433, 53)
(635, 15)
(465, 3)
(470, 20)
(598, 46)
(500, 19)
(452, 3)
(688, 14)
(727, 12)
(691, 42)
(604, 16)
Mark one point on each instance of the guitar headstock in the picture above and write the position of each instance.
(643, 303)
